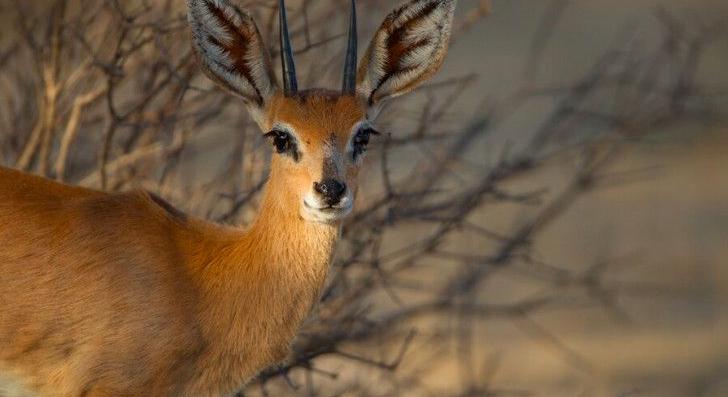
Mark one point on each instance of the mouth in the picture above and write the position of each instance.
(326, 214)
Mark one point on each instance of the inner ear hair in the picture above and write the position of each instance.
(231, 52)
(407, 49)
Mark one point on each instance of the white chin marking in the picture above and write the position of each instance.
(325, 215)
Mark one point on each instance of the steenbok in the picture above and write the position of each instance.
(123, 295)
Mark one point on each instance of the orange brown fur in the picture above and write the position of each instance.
(120, 295)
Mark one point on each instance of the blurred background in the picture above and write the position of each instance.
(547, 217)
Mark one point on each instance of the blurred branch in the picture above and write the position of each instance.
(106, 94)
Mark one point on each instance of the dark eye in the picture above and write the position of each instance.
(361, 140)
(283, 143)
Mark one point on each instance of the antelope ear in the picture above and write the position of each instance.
(231, 52)
(407, 49)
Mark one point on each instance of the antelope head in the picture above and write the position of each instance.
(319, 136)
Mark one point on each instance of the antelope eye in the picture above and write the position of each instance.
(361, 140)
(281, 140)
(283, 143)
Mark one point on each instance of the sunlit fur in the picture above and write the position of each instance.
(123, 295)
(323, 122)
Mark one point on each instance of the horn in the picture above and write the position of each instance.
(290, 85)
(349, 84)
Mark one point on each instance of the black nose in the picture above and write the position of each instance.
(331, 190)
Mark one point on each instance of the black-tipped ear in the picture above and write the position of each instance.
(231, 52)
(407, 49)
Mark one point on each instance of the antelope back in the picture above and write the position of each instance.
(94, 297)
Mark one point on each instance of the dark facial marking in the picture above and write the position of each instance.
(330, 170)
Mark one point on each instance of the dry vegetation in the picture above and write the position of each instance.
(107, 94)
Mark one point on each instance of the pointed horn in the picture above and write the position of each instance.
(290, 85)
(349, 85)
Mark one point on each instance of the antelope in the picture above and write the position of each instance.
(121, 294)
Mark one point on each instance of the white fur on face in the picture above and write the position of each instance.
(314, 209)
(231, 51)
(422, 28)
